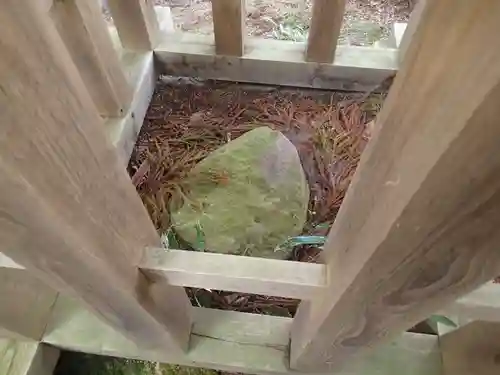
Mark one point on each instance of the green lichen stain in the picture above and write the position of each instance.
(247, 197)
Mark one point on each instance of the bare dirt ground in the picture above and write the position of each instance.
(365, 21)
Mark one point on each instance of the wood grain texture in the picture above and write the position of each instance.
(136, 23)
(235, 273)
(84, 31)
(25, 304)
(68, 211)
(411, 28)
(229, 27)
(471, 349)
(123, 132)
(275, 62)
(19, 357)
(419, 225)
(324, 30)
(235, 342)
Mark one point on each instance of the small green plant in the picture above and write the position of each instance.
(292, 28)
(200, 238)
(302, 240)
(311, 240)
(433, 321)
(169, 239)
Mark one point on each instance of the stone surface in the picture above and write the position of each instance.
(246, 197)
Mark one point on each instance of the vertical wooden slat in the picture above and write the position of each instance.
(324, 31)
(411, 28)
(85, 33)
(136, 23)
(68, 211)
(229, 27)
(419, 225)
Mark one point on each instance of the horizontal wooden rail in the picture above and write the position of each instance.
(236, 273)
(275, 62)
(276, 278)
(482, 304)
(234, 342)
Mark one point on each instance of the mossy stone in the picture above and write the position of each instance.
(245, 198)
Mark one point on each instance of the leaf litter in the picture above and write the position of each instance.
(188, 119)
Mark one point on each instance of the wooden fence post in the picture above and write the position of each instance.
(136, 23)
(85, 33)
(471, 349)
(419, 225)
(324, 30)
(229, 27)
(68, 211)
(411, 28)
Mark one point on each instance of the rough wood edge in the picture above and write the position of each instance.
(470, 348)
(45, 360)
(482, 304)
(233, 341)
(25, 304)
(18, 357)
(275, 62)
(123, 132)
(410, 28)
(236, 273)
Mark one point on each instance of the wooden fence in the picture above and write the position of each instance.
(416, 234)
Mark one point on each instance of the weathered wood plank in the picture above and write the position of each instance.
(25, 304)
(123, 132)
(85, 33)
(235, 273)
(69, 213)
(324, 30)
(471, 349)
(235, 342)
(411, 28)
(419, 225)
(275, 62)
(229, 26)
(19, 357)
(136, 23)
